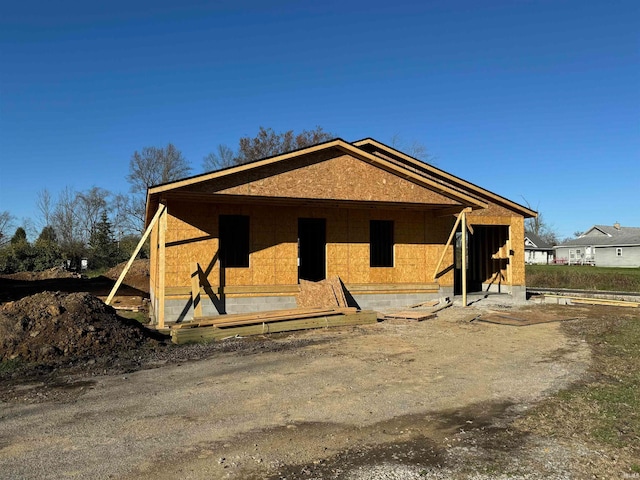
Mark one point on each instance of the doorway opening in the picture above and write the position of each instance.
(312, 242)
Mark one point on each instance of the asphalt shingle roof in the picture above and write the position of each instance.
(604, 235)
(539, 243)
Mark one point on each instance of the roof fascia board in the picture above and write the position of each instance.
(448, 176)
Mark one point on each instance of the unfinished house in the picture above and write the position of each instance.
(393, 229)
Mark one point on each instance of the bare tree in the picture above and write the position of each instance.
(65, 220)
(6, 225)
(90, 207)
(414, 149)
(125, 210)
(154, 166)
(222, 158)
(539, 226)
(45, 207)
(266, 143)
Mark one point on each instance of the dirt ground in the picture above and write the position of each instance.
(396, 399)
(134, 290)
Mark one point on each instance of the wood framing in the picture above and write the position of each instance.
(310, 214)
(134, 254)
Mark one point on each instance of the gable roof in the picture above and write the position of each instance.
(535, 242)
(379, 148)
(397, 163)
(606, 236)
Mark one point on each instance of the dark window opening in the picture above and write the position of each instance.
(234, 241)
(381, 243)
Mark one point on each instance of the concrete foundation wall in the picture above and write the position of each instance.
(179, 310)
(182, 310)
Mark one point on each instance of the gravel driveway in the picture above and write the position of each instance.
(378, 401)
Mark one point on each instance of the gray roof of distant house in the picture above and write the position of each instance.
(606, 236)
(539, 243)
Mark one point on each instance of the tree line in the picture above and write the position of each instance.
(104, 227)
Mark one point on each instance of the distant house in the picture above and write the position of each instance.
(604, 246)
(536, 250)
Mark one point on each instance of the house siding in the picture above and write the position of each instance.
(607, 257)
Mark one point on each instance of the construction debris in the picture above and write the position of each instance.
(421, 311)
(326, 293)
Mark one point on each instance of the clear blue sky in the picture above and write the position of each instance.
(530, 99)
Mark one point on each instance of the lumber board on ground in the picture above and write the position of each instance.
(596, 301)
(259, 317)
(415, 315)
(212, 332)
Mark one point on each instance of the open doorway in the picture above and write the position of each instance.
(312, 234)
(487, 259)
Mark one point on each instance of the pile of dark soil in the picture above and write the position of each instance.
(53, 327)
(56, 272)
(137, 276)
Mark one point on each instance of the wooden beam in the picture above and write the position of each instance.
(162, 266)
(267, 317)
(464, 258)
(195, 290)
(446, 245)
(134, 254)
(209, 333)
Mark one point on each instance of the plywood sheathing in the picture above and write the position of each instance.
(326, 293)
(192, 236)
(320, 176)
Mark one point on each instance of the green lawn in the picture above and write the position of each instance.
(583, 277)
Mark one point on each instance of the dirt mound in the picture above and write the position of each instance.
(56, 272)
(137, 276)
(51, 327)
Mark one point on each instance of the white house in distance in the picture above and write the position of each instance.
(603, 246)
(536, 250)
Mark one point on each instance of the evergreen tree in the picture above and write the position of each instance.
(103, 249)
(47, 251)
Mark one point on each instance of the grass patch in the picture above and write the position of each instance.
(9, 366)
(583, 277)
(142, 317)
(604, 410)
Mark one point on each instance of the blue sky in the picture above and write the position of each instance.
(535, 100)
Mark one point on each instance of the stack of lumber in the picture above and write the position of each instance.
(225, 326)
(326, 293)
